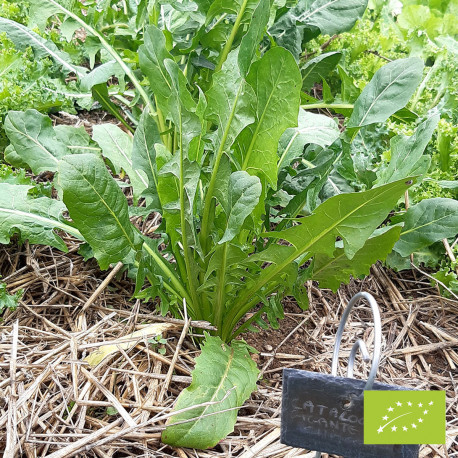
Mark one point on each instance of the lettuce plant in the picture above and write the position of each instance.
(224, 153)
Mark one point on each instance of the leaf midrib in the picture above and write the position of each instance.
(217, 390)
(48, 221)
(132, 245)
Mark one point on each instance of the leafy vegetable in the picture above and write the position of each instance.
(425, 223)
(389, 91)
(224, 377)
(8, 301)
(222, 150)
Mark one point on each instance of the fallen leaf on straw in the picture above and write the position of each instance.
(126, 342)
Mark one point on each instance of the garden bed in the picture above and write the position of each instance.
(56, 405)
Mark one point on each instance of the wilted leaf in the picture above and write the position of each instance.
(126, 342)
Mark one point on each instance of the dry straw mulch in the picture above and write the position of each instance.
(53, 404)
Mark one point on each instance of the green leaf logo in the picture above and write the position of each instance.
(404, 417)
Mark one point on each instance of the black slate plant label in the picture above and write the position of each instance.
(326, 413)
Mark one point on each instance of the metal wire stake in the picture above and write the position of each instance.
(359, 344)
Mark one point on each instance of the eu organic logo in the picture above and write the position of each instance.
(404, 417)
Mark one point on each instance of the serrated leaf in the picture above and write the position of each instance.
(244, 191)
(425, 223)
(34, 219)
(126, 342)
(98, 208)
(276, 80)
(353, 217)
(223, 373)
(407, 152)
(388, 91)
(332, 272)
(117, 147)
(318, 68)
(34, 139)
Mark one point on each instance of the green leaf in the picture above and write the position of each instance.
(100, 93)
(330, 16)
(152, 55)
(353, 217)
(33, 219)
(223, 373)
(182, 107)
(76, 139)
(117, 147)
(230, 103)
(306, 185)
(144, 153)
(9, 301)
(407, 152)
(34, 139)
(331, 272)
(98, 208)
(243, 192)
(101, 74)
(349, 92)
(388, 91)
(22, 37)
(250, 41)
(312, 128)
(276, 80)
(41, 10)
(425, 223)
(318, 68)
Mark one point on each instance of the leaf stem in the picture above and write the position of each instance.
(165, 268)
(331, 106)
(235, 28)
(221, 291)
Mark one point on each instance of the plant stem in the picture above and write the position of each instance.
(331, 106)
(221, 292)
(424, 83)
(165, 268)
(235, 28)
(245, 302)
